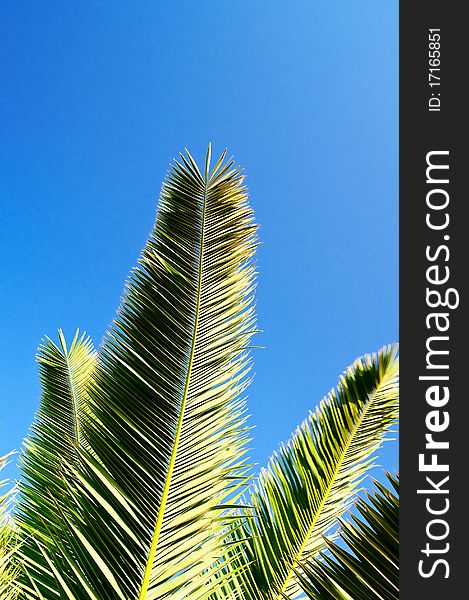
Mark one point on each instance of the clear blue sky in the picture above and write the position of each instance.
(97, 97)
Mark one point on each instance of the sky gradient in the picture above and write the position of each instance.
(97, 98)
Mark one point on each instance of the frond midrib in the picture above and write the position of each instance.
(167, 485)
(73, 392)
(310, 531)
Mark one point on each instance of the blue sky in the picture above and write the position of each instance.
(96, 99)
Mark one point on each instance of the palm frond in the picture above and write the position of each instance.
(312, 480)
(368, 567)
(9, 569)
(55, 436)
(167, 429)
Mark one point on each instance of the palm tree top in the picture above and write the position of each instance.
(136, 482)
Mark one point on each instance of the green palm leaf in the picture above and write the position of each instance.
(150, 497)
(369, 567)
(135, 464)
(9, 570)
(55, 436)
(312, 480)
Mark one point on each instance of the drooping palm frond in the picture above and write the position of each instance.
(166, 429)
(9, 569)
(55, 436)
(369, 567)
(312, 480)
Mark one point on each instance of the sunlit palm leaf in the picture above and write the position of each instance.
(8, 542)
(369, 567)
(312, 480)
(167, 424)
(55, 436)
(136, 458)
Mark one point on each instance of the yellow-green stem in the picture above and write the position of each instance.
(164, 497)
(299, 554)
